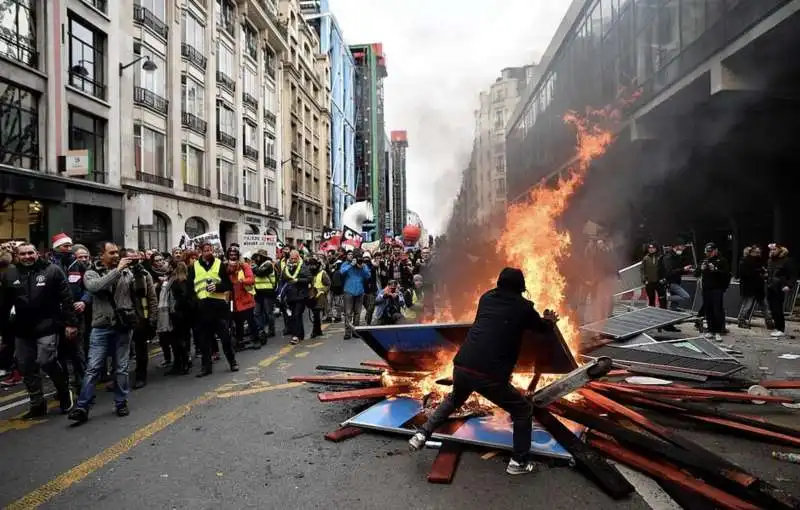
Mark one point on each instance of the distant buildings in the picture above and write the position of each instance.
(399, 140)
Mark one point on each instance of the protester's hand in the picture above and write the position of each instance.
(786, 289)
(79, 306)
(125, 262)
(71, 331)
(687, 268)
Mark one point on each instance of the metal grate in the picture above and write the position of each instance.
(630, 324)
(697, 347)
(637, 356)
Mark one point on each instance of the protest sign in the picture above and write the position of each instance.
(251, 243)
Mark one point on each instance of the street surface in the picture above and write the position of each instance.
(250, 440)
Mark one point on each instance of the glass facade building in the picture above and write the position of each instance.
(617, 51)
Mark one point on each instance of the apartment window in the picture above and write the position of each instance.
(227, 177)
(499, 93)
(250, 82)
(18, 31)
(500, 186)
(250, 185)
(192, 97)
(225, 60)
(193, 168)
(269, 146)
(500, 163)
(270, 102)
(272, 193)
(249, 41)
(269, 63)
(19, 127)
(86, 58)
(154, 81)
(194, 32)
(250, 134)
(225, 16)
(499, 119)
(151, 152)
(89, 132)
(154, 237)
(157, 7)
(226, 119)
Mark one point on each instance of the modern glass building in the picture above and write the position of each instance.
(342, 158)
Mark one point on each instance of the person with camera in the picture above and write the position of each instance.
(114, 318)
(356, 275)
(39, 293)
(145, 305)
(389, 305)
(716, 278)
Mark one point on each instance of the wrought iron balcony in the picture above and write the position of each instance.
(250, 101)
(226, 139)
(100, 5)
(228, 198)
(194, 123)
(253, 204)
(192, 55)
(270, 163)
(154, 179)
(151, 100)
(191, 188)
(143, 16)
(226, 81)
(250, 152)
(270, 118)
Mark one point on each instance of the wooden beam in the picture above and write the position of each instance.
(361, 394)
(343, 433)
(354, 370)
(337, 379)
(446, 462)
(691, 392)
(375, 364)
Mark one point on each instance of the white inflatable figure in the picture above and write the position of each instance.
(357, 214)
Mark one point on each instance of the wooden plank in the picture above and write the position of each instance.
(749, 430)
(354, 370)
(343, 433)
(680, 392)
(361, 394)
(337, 379)
(781, 385)
(446, 462)
(375, 364)
(664, 471)
(587, 459)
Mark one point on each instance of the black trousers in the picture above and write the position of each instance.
(501, 393)
(297, 323)
(714, 309)
(316, 321)
(775, 299)
(70, 352)
(140, 337)
(178, 339)
(239, 319)
(210, 324)
(655, 288)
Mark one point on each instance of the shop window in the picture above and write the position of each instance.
(195, 226)
(155, 236)
(19, 127)
(89, 132)
(23, 220)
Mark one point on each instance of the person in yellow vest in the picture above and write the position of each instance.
(213, 288)
(266, 287)
(297, 281)
(318, 299)
(243, 298)
(280, 265)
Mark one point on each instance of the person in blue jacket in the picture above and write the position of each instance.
(356, 274)
(389, 305)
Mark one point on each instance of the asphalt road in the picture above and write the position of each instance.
(250, 440)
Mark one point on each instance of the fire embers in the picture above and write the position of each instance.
(475, 406)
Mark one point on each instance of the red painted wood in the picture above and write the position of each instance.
(364, 394)
(343, 433)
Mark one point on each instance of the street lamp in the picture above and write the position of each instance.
(79, 69)
(148, 64)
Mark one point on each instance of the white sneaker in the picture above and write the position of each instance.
(521, 468)
(777, 334)
(708, 336)
(717, 337)
(417, 442)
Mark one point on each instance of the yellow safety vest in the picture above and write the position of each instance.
(266, 282)
(296, 270)
(321, 289)
(248, 288)
(202, 278)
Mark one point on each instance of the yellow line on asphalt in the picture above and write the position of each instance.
(275, 357)
(315, 344)
(262, 389)
(302, 354)
(17, 395)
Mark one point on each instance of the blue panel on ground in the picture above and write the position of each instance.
(411, 339)
(496, 431)
(391, 413)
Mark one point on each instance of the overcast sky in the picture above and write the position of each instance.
(440, 55)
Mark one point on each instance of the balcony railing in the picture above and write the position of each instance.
(226, 81)
(270, 118)
(228, 198)
(87, 84)
(270, 163)
(194, 123)
(273, 210)
(191, 188)
(250, 152)
(253, 204)
(226, 139)
(250, 101)
(151, 100)
(154, 179)
(19, 48)
(192, 55)
(143, 16)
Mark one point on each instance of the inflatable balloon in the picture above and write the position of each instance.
(411, 234)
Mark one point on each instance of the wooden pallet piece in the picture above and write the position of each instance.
(343, 433)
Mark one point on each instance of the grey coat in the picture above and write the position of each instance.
(99, 283)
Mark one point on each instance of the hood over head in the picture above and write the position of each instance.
(511, 279)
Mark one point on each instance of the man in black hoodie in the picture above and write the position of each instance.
(484, 364)
(43, 303)
(716, 278)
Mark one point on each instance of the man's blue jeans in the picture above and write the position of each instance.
(103, 341)
(678, 294)
(265, 312)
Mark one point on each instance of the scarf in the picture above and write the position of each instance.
(166, 307)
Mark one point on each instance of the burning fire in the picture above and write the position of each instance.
(533, 242)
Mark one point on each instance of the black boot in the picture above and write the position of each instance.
(204, 371)
(36, 411)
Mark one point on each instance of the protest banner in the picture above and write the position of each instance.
(251, 243)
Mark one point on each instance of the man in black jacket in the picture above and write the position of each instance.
(716, 278)
(43, 304)
(486, 360)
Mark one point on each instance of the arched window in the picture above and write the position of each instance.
(155, 236)
(195, 226)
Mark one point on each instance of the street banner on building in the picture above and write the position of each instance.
(210, 237)
(251, 243)
(351, 239)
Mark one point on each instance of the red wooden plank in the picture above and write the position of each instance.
(690, 392)
(375, 364)
(362, 394)
(322, 379)
(343, 433)
(781, 385)
(444, 466)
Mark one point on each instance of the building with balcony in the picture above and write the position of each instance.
(370, 139)
(496, 106)
(399, 140)
(342, 73)
(702, 99)
(59, 121)
(200, 139)
(306, 128)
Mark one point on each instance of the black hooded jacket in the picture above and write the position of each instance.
(493, 343)
(41, 298)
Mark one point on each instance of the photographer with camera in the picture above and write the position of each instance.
(716, 278)
(356, 275)
(114, 318)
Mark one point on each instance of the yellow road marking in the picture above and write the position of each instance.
(302, 354)
(275, 357)
(252, 391)
(315, 344)
(18, 395)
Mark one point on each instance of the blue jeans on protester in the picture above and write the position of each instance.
(103, 341)
(678, 294)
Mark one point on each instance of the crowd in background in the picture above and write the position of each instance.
(81, 317)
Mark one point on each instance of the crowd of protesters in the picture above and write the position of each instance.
(81, 317)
